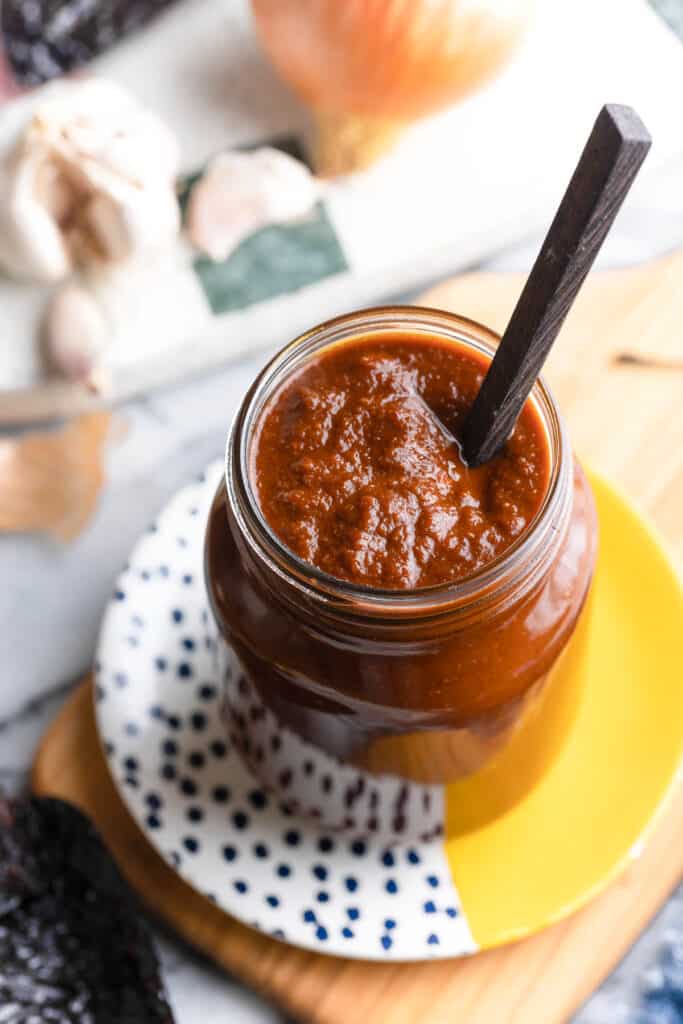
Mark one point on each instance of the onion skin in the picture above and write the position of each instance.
(381, 64)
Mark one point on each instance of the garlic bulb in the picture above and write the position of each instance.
(75, 335)
(242, 192)
(89, 178)
(369, 67)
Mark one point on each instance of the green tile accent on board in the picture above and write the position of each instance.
(275, 260)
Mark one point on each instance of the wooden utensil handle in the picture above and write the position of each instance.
(610, 161)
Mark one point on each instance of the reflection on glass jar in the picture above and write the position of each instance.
(356, 705)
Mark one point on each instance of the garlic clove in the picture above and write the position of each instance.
(98, 381)
(242, 192)
(106, 227)
(120, 226)
(75, 333)
(31, 243)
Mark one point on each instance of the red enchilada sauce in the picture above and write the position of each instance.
(354, 465)
(354, 471)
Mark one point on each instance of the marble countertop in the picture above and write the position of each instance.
(58, 593)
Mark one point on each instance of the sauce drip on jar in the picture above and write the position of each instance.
(354, 473)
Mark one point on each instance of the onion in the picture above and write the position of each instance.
(367, 68)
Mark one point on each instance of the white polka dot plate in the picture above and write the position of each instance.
(159, 717)
(159, 685)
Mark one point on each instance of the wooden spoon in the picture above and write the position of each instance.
(609, 163)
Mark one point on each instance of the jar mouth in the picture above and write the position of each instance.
(313, 581)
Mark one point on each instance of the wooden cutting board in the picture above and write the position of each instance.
(628, 420)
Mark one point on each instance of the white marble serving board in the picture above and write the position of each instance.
(459, 187)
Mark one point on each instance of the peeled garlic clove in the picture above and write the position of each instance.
(75, 335)
(242, 192)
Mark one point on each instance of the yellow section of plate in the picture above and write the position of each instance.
(617, 763)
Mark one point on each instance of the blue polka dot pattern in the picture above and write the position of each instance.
(160, 717)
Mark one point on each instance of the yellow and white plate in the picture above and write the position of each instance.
(158, 697)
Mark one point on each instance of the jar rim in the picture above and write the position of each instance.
(314, 582)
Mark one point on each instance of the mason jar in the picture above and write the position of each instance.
(383, 711)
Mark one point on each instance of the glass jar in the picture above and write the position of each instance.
(359, 706)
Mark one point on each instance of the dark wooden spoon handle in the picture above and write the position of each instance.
(610, 161)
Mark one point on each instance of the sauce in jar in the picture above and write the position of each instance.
(373, 489)
(395, 615)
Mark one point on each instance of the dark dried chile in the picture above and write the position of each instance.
(73, 947)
